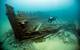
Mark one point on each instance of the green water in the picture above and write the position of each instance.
(65, 11)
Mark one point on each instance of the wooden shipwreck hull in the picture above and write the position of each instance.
(23, 29)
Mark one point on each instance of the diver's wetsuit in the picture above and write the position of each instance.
(51, 19)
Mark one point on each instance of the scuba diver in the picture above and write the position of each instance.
(51, 19)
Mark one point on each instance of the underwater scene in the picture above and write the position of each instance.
(39, 25)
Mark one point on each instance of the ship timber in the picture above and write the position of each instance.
(11, 16)
(21, 30)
